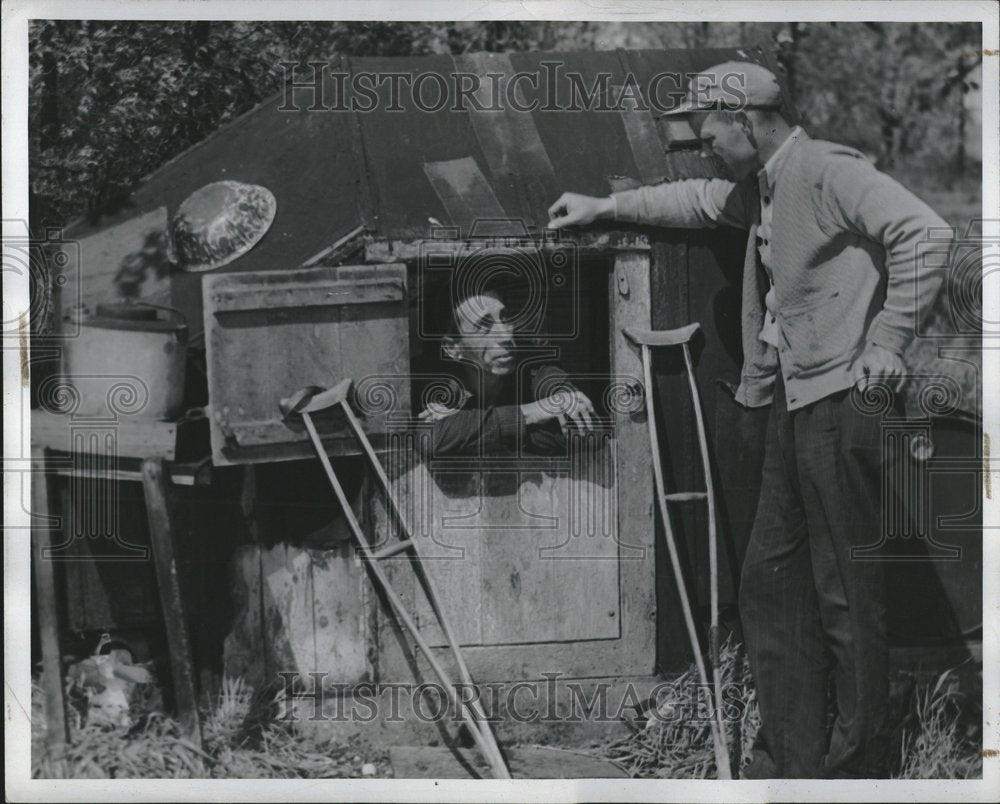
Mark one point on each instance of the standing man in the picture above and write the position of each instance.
(833, 289)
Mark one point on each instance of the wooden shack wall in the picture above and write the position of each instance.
(695, 277)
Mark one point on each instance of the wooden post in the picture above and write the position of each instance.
(56, 735)
(630, 306)
(155, 482)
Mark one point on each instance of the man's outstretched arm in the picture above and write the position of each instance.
(687, 204)
(471, 430)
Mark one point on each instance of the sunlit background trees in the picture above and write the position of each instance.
(112, 101)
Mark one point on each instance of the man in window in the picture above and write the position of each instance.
(497, 401)
(833, 290)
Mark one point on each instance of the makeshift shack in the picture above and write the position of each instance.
(557, 565)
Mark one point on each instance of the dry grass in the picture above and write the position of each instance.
(941, 740)
(156, 748)
(678, 744)
(940, 737)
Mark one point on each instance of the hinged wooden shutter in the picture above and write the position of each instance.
(269, 333)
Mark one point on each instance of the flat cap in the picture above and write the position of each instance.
(731, 86)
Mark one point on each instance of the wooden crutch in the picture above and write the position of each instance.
(646, 340)
(311, 400)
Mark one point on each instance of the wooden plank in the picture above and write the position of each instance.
(347, 246)
(518, 590)
(644, 135)
(339, 615)
(399, 198)
(307, 294)
(559, 532)
(286, 593)
(298, 611)
(630, 292)
(452, 549)
(584, 148)
(375, 353)
(275, 431)
(590, 544)
(128, 475)
(465, 193)
(519, 166)
(508, 138)
(156, 488)
(256, 357)
(134, 437)
(644, 139)
(56, 734)
(593, 244)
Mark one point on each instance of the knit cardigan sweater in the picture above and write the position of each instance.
(848, 255)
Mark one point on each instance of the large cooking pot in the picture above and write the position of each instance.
(129, 358)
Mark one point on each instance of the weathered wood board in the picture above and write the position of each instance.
(129, 260)
(517, 550)
(271, 333)
(298, 611)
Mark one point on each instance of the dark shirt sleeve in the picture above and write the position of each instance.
(500, 429)
(472, 430)
(547, 438)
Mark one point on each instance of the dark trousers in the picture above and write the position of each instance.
(809, 609)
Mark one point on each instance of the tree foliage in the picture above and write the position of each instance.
(110, 101)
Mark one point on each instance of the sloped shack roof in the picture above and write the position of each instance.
(395, 167)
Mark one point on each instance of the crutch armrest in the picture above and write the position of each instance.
(661, 337)
(313, 399)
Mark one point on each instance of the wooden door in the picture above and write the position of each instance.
(544, 565)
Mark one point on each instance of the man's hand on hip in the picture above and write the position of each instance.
(879, 365)
(573, 209)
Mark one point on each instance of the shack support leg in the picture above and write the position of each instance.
(56, 735)
(155, 482)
